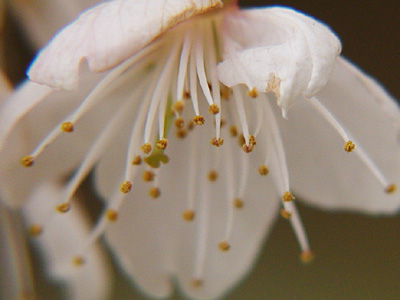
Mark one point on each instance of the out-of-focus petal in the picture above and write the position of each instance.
(106, 35)
(277, 50)
(62, 235)
(322, 173)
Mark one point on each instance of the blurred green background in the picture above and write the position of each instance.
(357, 257)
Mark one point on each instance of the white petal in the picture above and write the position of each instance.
(33, 106)
(108, 34)
(41, 19)
(61, 236)
(155, 246)
(322, 173)
(277, 46)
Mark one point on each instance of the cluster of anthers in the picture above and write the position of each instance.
(180, 70)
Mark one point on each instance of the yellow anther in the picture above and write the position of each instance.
(238, 203)
(287, 197)
(198, 120)
(307, 256)
(213, 109)
(146, 148)
(63, 207)
(197, 283)
(349, 146)
(181, 133)
(190, 125)
(188, 215)
(248, 149)
(111, 215)
(137, 160)
(27, 161)
(224, 246)
(186, 95)
(252, 140)
(263, 170)
(154, 192)
(67, 127)
(125, 187)
(391, 188)
(179, 123)
(253, 93)
(78, 261)
(212, 175)
(148, 176)
(35, 230)
(285, 214)
(162, 144)
(178, 106)
(233, 131)
(217, 142)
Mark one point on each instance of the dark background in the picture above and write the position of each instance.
(357, 257)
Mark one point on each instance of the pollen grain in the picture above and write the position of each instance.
(217, 142)
(213, 109)
(162, 144)
(307, 256)
(238, 203)
(63, 207)
(111, 215)
(263, 170)
(146, 148)
(154, 192)
(35, 230)
(198, 120)
(224, 246)
(188, 215)
(390, 189)
(137, 160)
(287, 197)
(148, 176)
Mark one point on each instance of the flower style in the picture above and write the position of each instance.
(165, 79)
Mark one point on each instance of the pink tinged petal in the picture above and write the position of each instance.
(322, 173)
(108, 34)
(62, 235)
(277, 50)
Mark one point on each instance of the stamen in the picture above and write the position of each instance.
(188, 215)
(67, 127)
(391, 188)
(178, 106)
(242, 114)
(181, 133)
(78, 261)
(183, 64)
(154, 192)
(125, 187)
(224, 246)
(63, 207)
(35, 230)
(253, 93)
(217, 142)
(146, 148)
(179, 123)
(137, 160)
(233, 131)
(162, 144)
(263, 170)
(27, 161)
(213, 109)
(238, 203)
(349, 146)
(198, 120)
(307, 256)
(212, 175)
(197, 283)
(111, 215)
(285, 214)
(287, 197)
(148, 176)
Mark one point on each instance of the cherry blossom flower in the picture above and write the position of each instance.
(138, 90)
